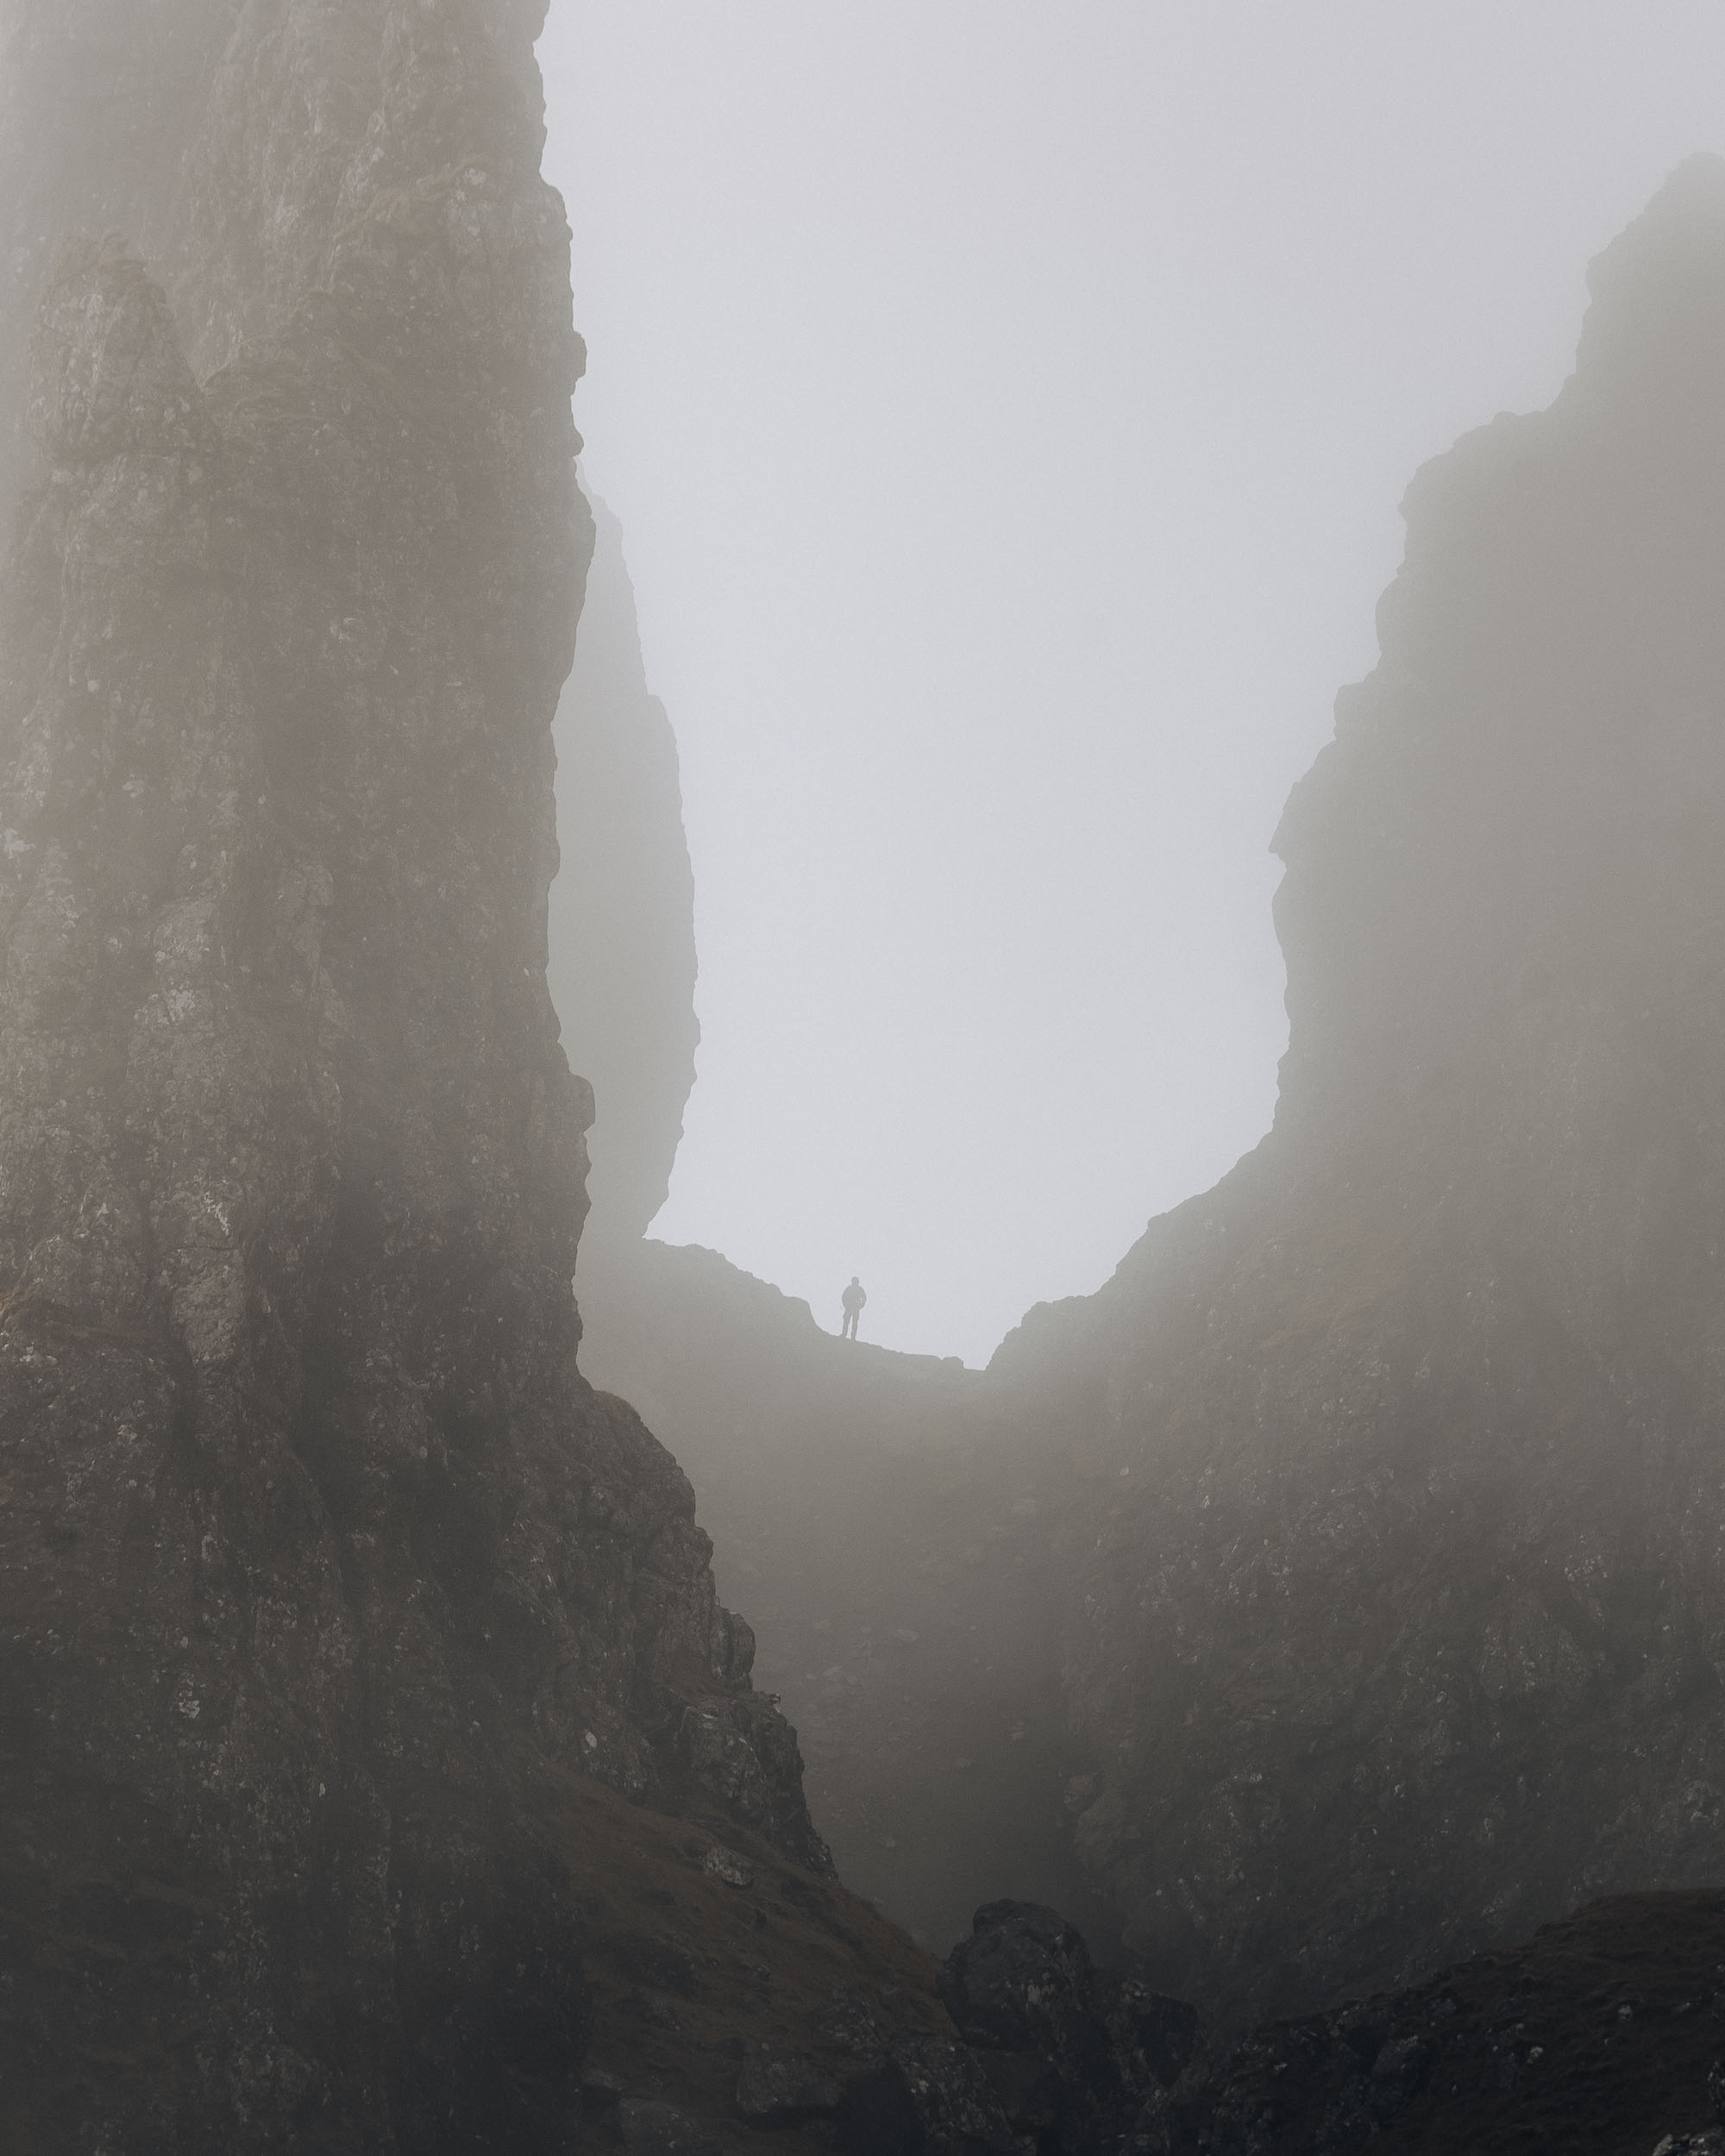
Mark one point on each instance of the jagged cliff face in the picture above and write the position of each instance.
(322, 1570)
(1406, 1621)
(622, 912)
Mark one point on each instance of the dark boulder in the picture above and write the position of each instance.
(781, 2088)
(740, 1749)
(660, 2129)
(1152, 2037)
(1021, 1982)
(1030, 2089)
(1712, 2141)
(924, 2097)
(1080, 2058)
(659, 1964)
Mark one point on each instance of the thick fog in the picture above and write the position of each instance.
(1005, 406)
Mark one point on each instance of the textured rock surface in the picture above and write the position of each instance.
(1081, 2056)
(622, 910)
(326, 1581)
(1021, 1981)
(775, 2090)
(926, 2096)
(1598, 2037)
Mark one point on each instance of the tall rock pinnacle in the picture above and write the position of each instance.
(322, 1570)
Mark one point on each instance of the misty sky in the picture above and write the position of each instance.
(1006, 403)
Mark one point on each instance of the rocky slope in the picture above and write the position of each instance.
(345, 1632)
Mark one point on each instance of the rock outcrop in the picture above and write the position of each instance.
(621, 911)
(343, 1628)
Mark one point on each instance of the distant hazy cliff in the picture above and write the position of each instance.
(622, 910)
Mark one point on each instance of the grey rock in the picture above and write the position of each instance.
(659, 1964)
(653, 2007)
(727, 1866)
(650, 2128)
(1155, 2131)
(782, 2089)
(849, 2025)
(738, 1747)
(1152, 2037)
(1021, 1982)
(1093, 2052)
(621, 924)
(925, 2097)
(1029, 2089)
(1400, 2070)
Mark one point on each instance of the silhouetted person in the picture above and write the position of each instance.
(853, 1299)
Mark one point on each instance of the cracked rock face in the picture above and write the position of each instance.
(319, 1562)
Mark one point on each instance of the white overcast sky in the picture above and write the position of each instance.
(1006, 403)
